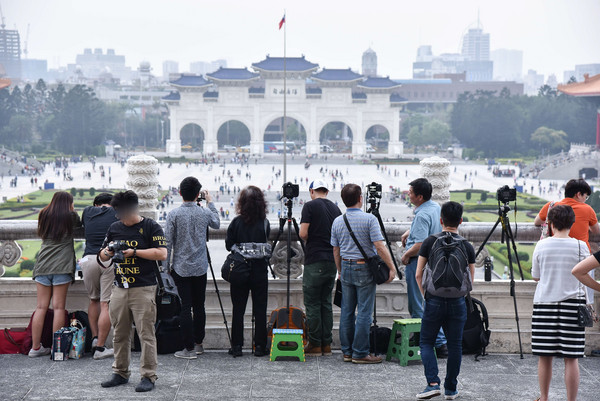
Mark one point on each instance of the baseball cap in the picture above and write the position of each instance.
(316, 184)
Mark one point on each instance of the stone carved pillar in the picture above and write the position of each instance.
(437, 171)
(10, 253)
(142, 170)
(279, 258)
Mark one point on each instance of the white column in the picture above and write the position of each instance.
(395, 146)
(210, 144)
(359, 146)
(437, 171)
(257, 145)
(312, 136)
(142, 171)
(173, 145)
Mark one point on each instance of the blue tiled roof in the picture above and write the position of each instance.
(256, 90)
(234, 74)
(174, 95)
(297, 64)
(330, 74)
(378, 83)
(359, 95)
(211, 94)
(396, 98)
(190, 80)
(312, 90)
(424, 81)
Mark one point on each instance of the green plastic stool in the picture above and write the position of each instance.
(287, 336)
(408, 349)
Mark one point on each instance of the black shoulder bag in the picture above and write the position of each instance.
(585, 312)
(379, 269)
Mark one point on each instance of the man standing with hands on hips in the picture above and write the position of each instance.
(425, 223)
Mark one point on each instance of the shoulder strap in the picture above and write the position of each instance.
(360, 248)
(266, 235)
(161, 285)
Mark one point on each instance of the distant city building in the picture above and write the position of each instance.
(10, 53)
(428, 65)
(533, 81)
(33, 70)
(169, 67)
(508, 64)
(94, 64)
(580, 70)
(476, 45)
(206, 67)
(552, 81)
(369, 63)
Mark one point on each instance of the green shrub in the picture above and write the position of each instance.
(484, 196)
(468, 195)
(81, 193)
(27, 264)
(92, 191)
(73, 191)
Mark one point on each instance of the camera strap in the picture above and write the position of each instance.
(360, 248)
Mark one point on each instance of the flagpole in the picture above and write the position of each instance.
(284, 101)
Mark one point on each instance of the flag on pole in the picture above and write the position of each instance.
(282, 21)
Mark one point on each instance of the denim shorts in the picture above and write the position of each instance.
(54, 279)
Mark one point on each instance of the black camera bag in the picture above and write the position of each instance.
(379, 269)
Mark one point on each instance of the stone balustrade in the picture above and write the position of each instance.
(18, 295)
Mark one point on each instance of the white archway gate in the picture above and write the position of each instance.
(256, 100)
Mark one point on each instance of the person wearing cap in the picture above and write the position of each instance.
(319, 267)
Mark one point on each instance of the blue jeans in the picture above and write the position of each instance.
(415, 299)
(358, 295)
(451, 315)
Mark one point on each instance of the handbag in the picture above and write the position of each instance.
(546, 230)
(11, 340)
(337, 298)
(235, 269)
(376, 265)
(78, 344)
(585, 313)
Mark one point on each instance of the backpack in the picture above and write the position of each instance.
(279, 320)
(447, 272)
(379, 339)
(168, 336)
(476, 333)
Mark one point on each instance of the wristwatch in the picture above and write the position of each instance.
(134, 252)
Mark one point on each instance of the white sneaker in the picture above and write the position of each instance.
(186, 354)
(107, 353)
(39, 352)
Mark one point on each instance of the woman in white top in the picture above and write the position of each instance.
(554, 328)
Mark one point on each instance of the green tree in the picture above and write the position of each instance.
(552, 141)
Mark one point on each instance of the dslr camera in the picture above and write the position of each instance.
(290, 190)
(506, 194)
(374, 191)
(118, 247)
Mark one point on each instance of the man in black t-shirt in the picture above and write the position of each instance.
(449, 313)
(134, 292)
(98, 280)
(319, 268)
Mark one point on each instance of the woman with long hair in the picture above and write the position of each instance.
(54, 268)
(250, 226)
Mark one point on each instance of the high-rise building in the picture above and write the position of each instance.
(508, 64)
(369, 63)
(92, 65)
(476, 45)
(169, 67)
(206, 67)
(10, 53)
(533, 81)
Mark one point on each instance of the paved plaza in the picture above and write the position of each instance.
(217, 376)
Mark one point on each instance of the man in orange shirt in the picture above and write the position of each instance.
(576, 194)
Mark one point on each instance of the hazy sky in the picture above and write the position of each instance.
(553, 34)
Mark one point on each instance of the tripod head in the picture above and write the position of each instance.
(373, 197)
(503, 209)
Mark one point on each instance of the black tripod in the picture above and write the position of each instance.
(289, 203)
(373, 208)
(508, 238)
(217, 291)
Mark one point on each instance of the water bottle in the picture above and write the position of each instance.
(505, 274)
(487, 269)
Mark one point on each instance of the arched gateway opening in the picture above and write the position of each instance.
(233, 135)
(377, 137)
(273, 137)
(192, 138)
(336, 137)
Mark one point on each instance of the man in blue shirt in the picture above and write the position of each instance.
(358, 285)
(425, 223)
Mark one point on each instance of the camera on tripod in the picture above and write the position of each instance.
(374, 191)
(505, 194)
(118, 247)
(290, 190)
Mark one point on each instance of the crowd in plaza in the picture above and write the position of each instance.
(339, 246)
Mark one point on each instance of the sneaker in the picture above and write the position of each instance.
(144, 385)
(451, 395)
(347, 358)
(115, 380)
(313, 350)
(442, 351)
(103, 353)
(42, 351)
(186, 354)
(369, 359)
(199, 348)
(326, 349)
(429, 392)
(236, 351)
(260, 351)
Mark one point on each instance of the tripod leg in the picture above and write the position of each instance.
(298, 234)
(375, 212)
(512, 289)
(219, 296)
